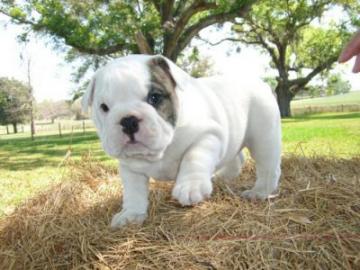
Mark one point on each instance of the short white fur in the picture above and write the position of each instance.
(217, 118)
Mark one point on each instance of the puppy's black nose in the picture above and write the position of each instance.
(130, 125)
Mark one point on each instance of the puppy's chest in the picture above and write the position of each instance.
(164, 170)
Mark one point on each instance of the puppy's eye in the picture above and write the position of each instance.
(155, 99)
(104, 107)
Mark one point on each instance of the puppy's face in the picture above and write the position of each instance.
(134, 107)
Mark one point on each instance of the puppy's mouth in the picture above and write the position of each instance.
(133, 142)
(136, 149)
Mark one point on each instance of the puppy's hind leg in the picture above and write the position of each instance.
(266, 151)
(232, 169)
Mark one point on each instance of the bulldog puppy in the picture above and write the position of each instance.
(162, 123)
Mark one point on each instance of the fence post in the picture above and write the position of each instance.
(83, 125)
(59, 125)
(7, 129)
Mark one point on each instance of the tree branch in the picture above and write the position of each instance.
(194, 29)
(220, 41)
(18, 20)
(87, 50)
(142, 43)
(297, 84)
(97, 51)
(166, 9)
(156, 4)
(259, 39)
(269, 49)
(193, 9)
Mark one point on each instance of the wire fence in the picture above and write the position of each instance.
(61, 127)
(312, 109)
(50, 128)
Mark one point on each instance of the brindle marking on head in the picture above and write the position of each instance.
(163, 81)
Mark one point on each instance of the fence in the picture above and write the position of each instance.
(325, 108)
(66, 126)
(48, 128)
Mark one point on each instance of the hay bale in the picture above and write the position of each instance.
(314, 223)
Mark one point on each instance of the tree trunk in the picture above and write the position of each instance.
(32, 123)
(15, 127)
(284, 97)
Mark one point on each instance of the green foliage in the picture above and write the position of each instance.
(300, 43)
(14, 102)
(196, 64)
(337, 85)
(96, 31)
(332, 84)
(313, 91)
(317, 45)
(111, 27)
(271, 81)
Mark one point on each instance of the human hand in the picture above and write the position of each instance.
(350, 50)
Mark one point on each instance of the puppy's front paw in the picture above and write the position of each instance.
(192, 192)
(124, 217)
(253, 194)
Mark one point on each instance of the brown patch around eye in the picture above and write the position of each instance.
(163, 81)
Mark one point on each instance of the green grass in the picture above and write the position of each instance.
(28, 166)
(346, 99)
(323, 134)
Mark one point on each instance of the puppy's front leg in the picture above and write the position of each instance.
(193, 183)
(135, 198)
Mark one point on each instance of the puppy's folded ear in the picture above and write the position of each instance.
(88, 97)
(179, 78)
(162, 62)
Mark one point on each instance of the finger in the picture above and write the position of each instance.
(357, 64)
(351, 49)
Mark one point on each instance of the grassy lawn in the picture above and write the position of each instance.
(323, 134)
(28, 166)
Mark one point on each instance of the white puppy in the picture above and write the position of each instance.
(162, 123)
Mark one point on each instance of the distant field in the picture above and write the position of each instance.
(341, 103)
(349, 98)
(28, 166)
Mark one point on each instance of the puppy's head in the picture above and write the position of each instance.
(134, 106)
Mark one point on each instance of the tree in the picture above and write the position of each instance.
(316, 90)
(299, 48)
(30, 95)
(76, 110)
(50, 110)
(196, 65)
(112, 28)
(336, 85)
(14, 102)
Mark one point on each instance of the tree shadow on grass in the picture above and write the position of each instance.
(68, 225)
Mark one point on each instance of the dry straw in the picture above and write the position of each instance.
(314, 223)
